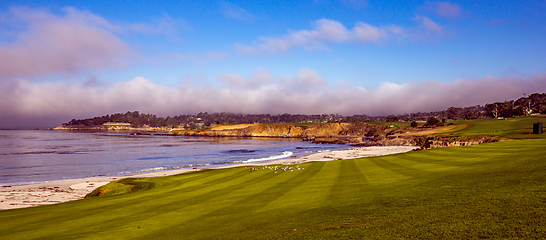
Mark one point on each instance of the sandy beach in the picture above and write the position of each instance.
(29, 195)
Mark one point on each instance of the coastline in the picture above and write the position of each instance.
(29, 195)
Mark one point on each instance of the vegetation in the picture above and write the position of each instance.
(201, 120)
(432, 121)
(534, 103)
(494, 190)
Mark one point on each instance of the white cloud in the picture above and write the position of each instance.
(429, 25)
(445, 8)
(78, 41)
(164, 25)
(231, 10)
(366, 33)
(244, 49)
(259, 78)
(324, 31)
(306, 79)
(73, 14)
(50, 104)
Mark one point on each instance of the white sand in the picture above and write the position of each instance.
(29, 195)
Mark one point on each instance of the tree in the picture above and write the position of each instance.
(432, 121)
(453, 113)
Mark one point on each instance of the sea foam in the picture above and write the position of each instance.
(284, 154)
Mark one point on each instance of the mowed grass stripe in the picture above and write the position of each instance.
(178, 209)
(37, 215)
(377, 175)
(140, 208)
(310, 192)
(408, 161)
(350, 185)
(448, 156)
(257, 202)
(400, 165)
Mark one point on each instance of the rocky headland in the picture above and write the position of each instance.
(356, 133)
(124, 127)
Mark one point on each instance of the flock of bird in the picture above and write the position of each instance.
(277, 168)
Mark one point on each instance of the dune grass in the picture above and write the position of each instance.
(494, 190)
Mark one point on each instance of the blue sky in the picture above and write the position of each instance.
(78, 59)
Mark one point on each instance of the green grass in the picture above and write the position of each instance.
(395, 124)
(513, 128)
(495, 190)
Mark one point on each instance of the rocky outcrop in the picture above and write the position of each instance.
(394, 140)
(452, 141)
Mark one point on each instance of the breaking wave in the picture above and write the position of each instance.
(284, 154)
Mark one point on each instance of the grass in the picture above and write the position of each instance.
(512, 128)
(293, 124)
(395, 124)
(494, 190)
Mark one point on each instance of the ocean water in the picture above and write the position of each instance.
(32, 156)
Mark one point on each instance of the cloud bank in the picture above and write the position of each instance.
(27, 104)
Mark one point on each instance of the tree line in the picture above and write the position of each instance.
(194, 121)
(534, 103)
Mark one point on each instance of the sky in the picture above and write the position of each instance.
(63, 60)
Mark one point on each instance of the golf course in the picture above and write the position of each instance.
(495, 190)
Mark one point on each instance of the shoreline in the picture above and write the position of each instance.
(37, 194)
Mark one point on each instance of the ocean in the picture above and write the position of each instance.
(33, 156)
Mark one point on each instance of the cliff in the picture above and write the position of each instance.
(292, 131)
(357, 134)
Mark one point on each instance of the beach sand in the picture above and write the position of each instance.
(29, 195)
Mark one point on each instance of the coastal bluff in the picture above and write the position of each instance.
(320, 130)
(356, 134)
(337, 133)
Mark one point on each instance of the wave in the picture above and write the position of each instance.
(156, 169)
(284, 154)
